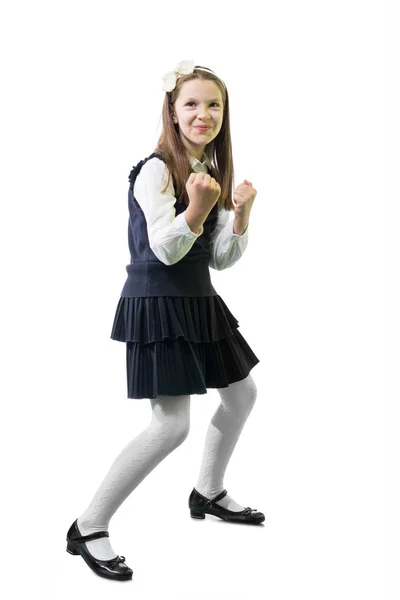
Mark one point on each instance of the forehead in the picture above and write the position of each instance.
(200, 89)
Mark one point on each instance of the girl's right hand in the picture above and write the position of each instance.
(203, 190)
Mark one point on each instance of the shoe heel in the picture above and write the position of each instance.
(197, 514)
(71, 549)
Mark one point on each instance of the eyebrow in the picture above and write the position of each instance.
(211, 100)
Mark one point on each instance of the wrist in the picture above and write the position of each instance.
(240, 226)
(194, 220)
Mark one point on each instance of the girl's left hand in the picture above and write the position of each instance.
(244, 196)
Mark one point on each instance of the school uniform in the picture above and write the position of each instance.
(181, 337)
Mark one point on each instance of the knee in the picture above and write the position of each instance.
(248, 398)
(239, 396)
(183, 432)
(179, 433)
(251, 389)
(171, 419)
(174, 432)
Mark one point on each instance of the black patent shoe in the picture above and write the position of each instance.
(199, 505)
(114, 568)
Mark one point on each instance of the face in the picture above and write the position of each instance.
(199, 103)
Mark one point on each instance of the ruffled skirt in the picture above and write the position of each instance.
(180, 345)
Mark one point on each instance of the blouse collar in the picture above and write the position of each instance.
(205, 160)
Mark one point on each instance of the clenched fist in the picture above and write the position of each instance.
(244, 196)
(203, 190)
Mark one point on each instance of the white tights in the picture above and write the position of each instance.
(168, 428)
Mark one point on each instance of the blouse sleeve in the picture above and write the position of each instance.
(170, 237)
(226, 247)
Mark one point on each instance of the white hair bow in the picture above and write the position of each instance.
(170, 79)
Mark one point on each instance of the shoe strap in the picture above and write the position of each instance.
(91, 536)
(220, 495)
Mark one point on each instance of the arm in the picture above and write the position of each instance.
(170, 236)
(195, 216)
(226, 246)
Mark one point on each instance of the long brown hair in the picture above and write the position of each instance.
(176, 156)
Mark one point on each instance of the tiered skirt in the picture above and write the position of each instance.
(180, 345)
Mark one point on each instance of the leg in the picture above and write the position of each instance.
(237, 401)
(169, 427)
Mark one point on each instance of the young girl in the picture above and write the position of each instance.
(180, 336)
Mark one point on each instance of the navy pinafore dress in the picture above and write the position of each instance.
(180, 336)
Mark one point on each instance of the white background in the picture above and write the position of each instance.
(81, 104)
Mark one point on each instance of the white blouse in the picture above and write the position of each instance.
(170, 237)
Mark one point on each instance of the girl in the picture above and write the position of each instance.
(180, 336)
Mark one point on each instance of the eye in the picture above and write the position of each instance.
(191, 102)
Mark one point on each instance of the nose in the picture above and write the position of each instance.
(203, 114)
